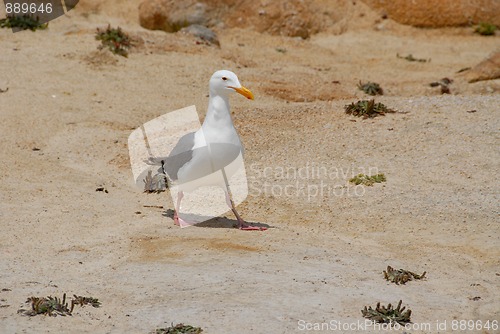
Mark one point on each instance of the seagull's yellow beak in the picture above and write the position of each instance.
(244, 91)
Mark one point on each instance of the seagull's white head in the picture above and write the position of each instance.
(224, 82)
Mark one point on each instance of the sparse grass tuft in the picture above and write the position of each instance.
(371, 88)
(115, 39)
(368, 180)
(388, 315)
(51, 306)
(23, 22)
(367, 109)
(178, 329)
(401, 276)
(485, 29)
(54, 306)
(411, 58)
(82, 301)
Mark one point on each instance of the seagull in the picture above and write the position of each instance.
(210, 149)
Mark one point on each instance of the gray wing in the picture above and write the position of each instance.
(178, 157)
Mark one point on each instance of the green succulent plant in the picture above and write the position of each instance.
(388, 315)
(485, 29)
(23, 22)
(367, 109)
(115, 40)
(178, 329)
(401, 276)
(371, 88)
(368, 180)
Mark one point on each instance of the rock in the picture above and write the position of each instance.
(287, 18)
(171, 16)
(488, 69)
(203, 33)
(439, 13)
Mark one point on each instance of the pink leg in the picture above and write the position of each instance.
(178, 220)
(241, 223)
(180, 195)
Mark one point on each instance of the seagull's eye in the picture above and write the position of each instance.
(224, 78)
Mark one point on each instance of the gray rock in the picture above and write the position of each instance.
(203, 33)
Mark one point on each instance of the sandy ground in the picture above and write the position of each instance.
(322, 258)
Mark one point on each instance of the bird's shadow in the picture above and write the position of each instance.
(218, 222)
